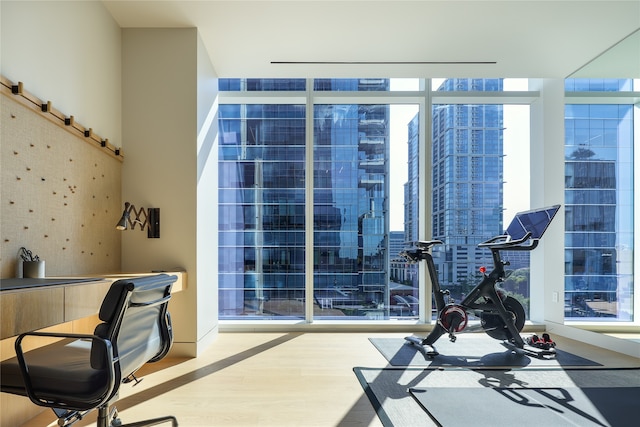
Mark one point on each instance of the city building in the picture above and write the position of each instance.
(598, 204)
(262, 204)
(467, 158)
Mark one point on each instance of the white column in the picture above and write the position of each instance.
(162, 168)
(547, 188)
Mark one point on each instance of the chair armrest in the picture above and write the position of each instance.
(57, 395)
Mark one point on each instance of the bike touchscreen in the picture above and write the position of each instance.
(535, 221)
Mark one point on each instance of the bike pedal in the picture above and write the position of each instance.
(544, 343)
(428, 350)
(540, 353)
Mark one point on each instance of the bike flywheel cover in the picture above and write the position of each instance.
(495, 326)
(452, 313)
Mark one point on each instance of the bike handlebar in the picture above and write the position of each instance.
(496, 243)
(501, 242)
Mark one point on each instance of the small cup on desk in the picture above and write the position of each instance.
(33, 269)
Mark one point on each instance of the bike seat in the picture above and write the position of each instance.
(428, 243)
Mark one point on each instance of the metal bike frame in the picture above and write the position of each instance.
(486, 288)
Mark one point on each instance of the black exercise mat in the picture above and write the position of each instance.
(531, 407)
(592, 396)
(469, 351)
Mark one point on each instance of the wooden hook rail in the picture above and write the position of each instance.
(67, 122)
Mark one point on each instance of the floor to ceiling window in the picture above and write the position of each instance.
(262, 209)
(599, 202)
(350, 208)
(467, 194)
(309, 196)
(264, 226)
(470, 148)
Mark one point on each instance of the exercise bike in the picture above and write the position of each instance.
(502, 317)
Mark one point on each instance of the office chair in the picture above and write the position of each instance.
(80, 372)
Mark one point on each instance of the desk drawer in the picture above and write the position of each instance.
(85, 300)
(27, 311)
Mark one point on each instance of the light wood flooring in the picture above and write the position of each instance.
(274, 379)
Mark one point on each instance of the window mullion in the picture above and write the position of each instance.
(309, 248)
(424, 210)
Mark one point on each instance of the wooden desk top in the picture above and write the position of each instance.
(26, 283)
(29, 283)
(56, 300)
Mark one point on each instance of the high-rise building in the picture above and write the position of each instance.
(411, 188)
(599, 204)
(467, 179)
(263, 196)
(261, 208)
(412, 201)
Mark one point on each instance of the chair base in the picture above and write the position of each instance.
(150, 422)
(104, 415)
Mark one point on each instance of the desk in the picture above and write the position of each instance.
(30, 304)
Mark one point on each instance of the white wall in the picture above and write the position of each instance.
(163, 112)
(66, 52)
(207, 193)
(547, 188)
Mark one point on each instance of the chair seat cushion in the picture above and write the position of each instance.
(59, 369)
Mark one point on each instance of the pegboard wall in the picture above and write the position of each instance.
(60, 196)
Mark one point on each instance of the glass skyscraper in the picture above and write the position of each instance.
(261, 208)
(412, 201)
(599, 204)
(466, 192)
(467, 197)
(411, 190)
(262, 199)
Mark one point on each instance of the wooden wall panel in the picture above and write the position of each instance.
(60, 196)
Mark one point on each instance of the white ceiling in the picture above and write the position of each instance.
(357, 38)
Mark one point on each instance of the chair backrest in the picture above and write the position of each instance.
(136, 320)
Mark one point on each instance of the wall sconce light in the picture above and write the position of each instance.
(149, 219)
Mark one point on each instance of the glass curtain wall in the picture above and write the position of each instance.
(468, 179)
(599, 204)
(278, 156)
(262, 205)
(350, 210)
(262, 211)
(356, 272)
